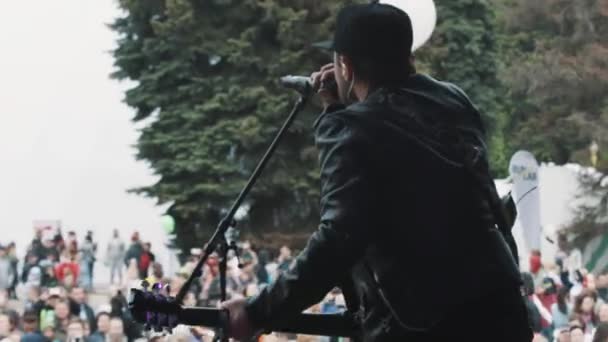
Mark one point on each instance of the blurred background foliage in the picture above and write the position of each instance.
(206, 93)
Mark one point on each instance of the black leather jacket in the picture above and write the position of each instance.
(402, 220)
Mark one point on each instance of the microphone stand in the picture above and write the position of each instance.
(218, 240)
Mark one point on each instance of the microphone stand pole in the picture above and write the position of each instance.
(218, 239)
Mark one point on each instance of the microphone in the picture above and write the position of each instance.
(301, 84)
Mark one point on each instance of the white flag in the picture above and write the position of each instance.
(523, 169)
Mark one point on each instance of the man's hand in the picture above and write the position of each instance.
(239, 325)
(322, 80)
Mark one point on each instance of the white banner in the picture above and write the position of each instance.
(523, 169)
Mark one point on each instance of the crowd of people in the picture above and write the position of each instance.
(51, 295)
(45, 296)
(566, 303)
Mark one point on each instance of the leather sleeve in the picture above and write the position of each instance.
(344, 231)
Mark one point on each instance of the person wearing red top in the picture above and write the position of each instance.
(67, 273)
(145, 260)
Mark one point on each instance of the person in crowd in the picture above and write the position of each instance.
(534, 315)
(210, 294)
(31, 261)
(71, 244)
(62, 318)
(536, 266)
(47, 249)
(51, 335)
(76, 330)
(577, 334)
(49, 274)
(6, 269)
(9, 322)
(87, 261)
(135, 249)
(602, 313)
(32, 302)
(115, 254)
(246, 277)
(103, 327)
(285, 259)
(32, 273)
(562, 335)
(80, 308)
(261, 272)
(561, 309)
(157, 274)
(584, 306)
(601, 286)
(47, 312)
(4, 299)
(31, 333)
(601, 333)
(67, 272)
(132, 272)
(35, 246)
(146, 259)
(272, 267)
(248, 255)
(116, 331)
(119, 308)
(544, 298)
(11, 251)
(60, 243)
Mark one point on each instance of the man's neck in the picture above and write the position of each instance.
(361, 90)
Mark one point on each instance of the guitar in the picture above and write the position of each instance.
(162, 313)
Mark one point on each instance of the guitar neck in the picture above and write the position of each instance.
(308, 324)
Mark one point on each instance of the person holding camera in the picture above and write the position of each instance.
(407, 201)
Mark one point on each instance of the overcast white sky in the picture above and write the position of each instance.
(65, 136)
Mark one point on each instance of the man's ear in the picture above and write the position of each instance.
(346, 67)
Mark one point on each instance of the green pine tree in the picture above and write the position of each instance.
(206, 76)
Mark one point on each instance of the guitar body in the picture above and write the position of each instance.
(160, 312)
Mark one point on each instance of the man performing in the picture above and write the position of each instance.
(408, 222)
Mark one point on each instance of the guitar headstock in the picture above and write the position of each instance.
(154, 308)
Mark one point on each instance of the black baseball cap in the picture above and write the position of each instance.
(377, 32)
